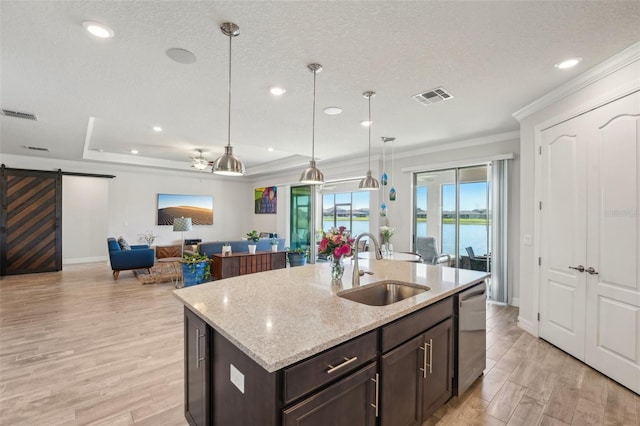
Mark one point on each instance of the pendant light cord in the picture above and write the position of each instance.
(229, 118)
(370, 124)
(313, 125)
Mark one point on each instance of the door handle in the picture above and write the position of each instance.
(578, 268)
(591, 271)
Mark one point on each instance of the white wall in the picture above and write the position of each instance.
(85, 218)
(619, 74)
(132, 201)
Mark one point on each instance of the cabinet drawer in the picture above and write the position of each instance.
(405, 328)
(327, 366)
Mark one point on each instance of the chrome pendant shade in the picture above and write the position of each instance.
(228, 164)
(369, 183)
(312, 175)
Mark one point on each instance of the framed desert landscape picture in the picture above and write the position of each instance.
(198, 207)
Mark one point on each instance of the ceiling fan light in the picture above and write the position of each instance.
(200, 165)
(312, 175)
(228, 164)
(369, 183)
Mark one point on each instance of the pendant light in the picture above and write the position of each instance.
(392, 191)
(369, 183)
(312, 175)
(384, 178)
(228, 164)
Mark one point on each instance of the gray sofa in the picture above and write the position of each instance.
(215, 247)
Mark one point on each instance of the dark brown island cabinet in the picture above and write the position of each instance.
(395, 375)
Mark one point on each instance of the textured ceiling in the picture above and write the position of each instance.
(98, 99)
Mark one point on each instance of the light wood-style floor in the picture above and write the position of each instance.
(78, 348)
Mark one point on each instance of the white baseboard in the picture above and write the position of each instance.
(85, 260)
(528, 326)
(515, 301)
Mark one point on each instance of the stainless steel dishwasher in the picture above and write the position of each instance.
(471, 324)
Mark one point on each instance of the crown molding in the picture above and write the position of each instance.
(608, 67)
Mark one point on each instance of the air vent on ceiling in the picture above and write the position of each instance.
(433, 96)
(37, 148)
(18, 114)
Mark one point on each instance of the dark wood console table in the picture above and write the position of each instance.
(245, 263)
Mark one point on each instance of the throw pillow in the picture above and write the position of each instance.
(124, 245)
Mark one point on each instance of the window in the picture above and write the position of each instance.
(348, 209)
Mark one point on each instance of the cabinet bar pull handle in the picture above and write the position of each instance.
(424, 361)
(198, 337)
(430, 345)
(346, 362)
(377, 382)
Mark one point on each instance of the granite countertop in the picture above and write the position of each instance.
(283, 316)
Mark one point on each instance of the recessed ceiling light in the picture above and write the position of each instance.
(157, 128)
(270, 149)
(98, 29)
(332, 110)
(568, 63)
(134, 151)
(366, 123)
(277, 91)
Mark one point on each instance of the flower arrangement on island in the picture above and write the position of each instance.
(387, 233)
(336, 242)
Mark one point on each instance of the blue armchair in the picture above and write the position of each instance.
(139, 257)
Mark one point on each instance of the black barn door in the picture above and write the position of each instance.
(30, 221)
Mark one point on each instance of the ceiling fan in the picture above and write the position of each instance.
(200, 162)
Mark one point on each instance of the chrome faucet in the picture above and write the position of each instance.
(357, 273)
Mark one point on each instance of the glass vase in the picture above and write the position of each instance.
(337, 267)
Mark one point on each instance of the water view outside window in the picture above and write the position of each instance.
(348, 209)
(473, 218)
(436, 209)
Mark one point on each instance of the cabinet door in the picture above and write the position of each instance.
(437, 387)
(196, 369)
(351, 401)
(401, 381)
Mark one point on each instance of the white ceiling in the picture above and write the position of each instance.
(98, 99)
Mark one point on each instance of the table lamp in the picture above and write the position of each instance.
(182, 224)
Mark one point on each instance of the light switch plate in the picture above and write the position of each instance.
(528, 240)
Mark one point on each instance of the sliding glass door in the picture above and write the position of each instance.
(452, 208)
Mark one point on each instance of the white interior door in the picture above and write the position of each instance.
(613, 245)
(563, 237)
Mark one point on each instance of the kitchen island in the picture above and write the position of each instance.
(252, 343)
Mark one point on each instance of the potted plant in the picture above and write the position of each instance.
(195, 269)
(297, 256)
(226, 249)
(274, 244)
(253, 239)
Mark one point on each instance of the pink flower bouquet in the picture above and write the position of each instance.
(336, 242)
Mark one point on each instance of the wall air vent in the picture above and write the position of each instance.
(18, 114)
(37, 148)
(433, 96)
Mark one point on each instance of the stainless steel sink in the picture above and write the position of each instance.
(384, 293)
